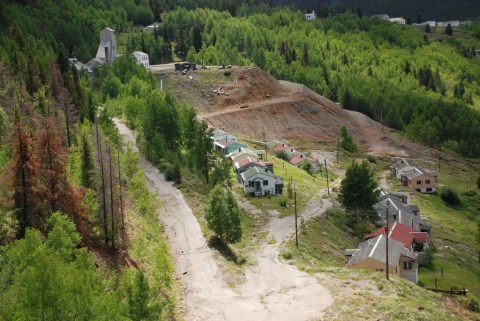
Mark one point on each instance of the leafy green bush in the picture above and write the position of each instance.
(283, 202)
(283, 155)
(287, 255)
(449, 196)
(478, 182)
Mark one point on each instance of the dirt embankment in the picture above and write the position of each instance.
(256, 104)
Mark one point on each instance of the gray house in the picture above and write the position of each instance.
(259, 182)
(371, 255)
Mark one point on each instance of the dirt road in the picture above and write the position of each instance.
(273, 290)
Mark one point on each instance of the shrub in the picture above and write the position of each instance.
(478, 182)
(449, 196)
(287, 255)
(473, 305)
(372, 159)
(283, 155)
(283, 202)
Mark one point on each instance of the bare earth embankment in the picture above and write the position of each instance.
(254, 103)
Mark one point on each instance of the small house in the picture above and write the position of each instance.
(371, 255)
(246, 163)
(142, 59)
(311, 16)
(420, 180)
(227, 146)
(259, 182)
(399, 20)
(411, 239)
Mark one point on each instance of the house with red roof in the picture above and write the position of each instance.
(247, 162)
(411, 239)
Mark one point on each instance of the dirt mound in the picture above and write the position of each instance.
(248, 84)
(255, 104)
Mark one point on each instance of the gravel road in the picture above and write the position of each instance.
(273, 290)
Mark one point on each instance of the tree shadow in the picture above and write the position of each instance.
(226, 251)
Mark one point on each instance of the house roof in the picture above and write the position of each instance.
(375, 248)
(397, 211)
(279, 147)
(401, 233)
(139, 53)
(254, 170)
(223, 136)
(248, 160)
(240, 152)
(224, 143)
(418, 171)
(297, 159)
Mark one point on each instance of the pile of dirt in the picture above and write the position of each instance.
(249, 84)
(256, 104)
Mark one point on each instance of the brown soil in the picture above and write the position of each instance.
(256, 104)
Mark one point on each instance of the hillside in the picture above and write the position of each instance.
(256, 104)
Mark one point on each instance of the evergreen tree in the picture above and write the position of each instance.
(359, 192)
(449, 30)
(346, 141)
(223, 215)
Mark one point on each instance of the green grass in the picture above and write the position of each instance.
(322, 241)
(454, 232)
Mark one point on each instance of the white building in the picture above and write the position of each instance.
(107, 50)
(399, 20)
(311, 16)
(142, 59)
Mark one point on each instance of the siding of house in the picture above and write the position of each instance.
(412, 274)
(373, 265)
(253, 188)
(420, 183)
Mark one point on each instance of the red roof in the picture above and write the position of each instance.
(295, 160)
(248, 160)
(279, 147)
(402, 233)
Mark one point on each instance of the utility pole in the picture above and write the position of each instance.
(326, 173)
(296, 227)
(386, 242)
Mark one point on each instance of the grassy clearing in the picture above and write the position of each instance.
(322, 241)
(361, 294)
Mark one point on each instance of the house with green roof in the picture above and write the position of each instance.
(260, 181)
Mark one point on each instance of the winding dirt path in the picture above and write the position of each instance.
(273, 290)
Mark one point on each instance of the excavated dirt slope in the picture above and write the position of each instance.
(254, 103)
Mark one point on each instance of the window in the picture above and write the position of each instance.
(408, 265)
(265, 183)
(427, 181)
(250, 184)
(419, 182)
